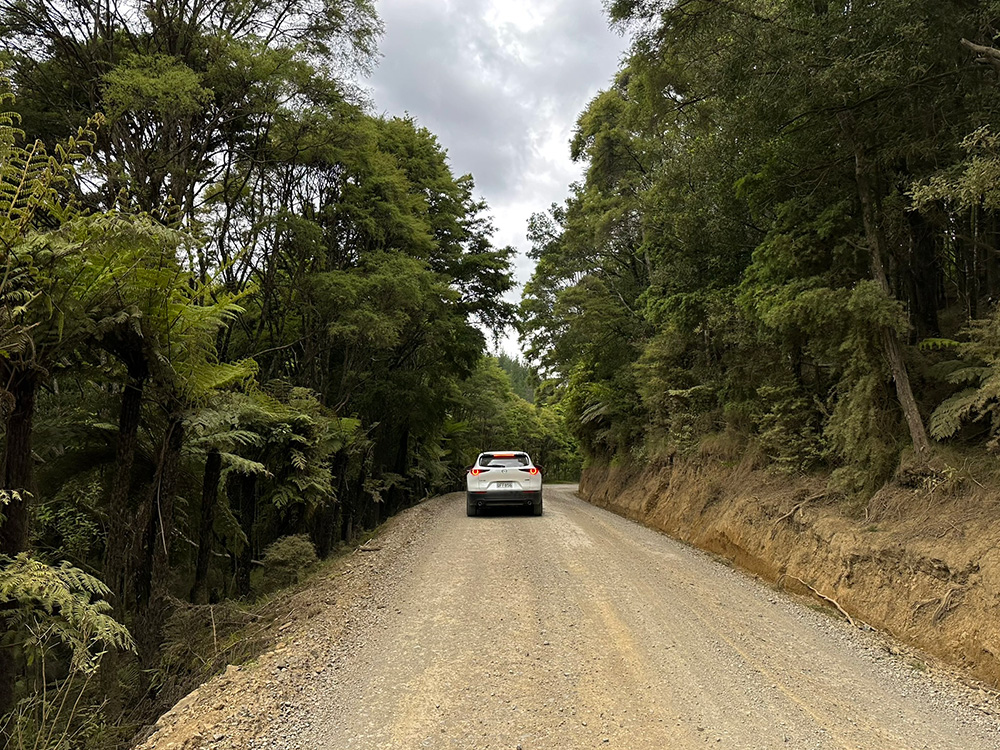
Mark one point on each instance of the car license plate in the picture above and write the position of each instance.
(505, 485)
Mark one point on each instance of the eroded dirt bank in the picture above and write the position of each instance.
(921, 563)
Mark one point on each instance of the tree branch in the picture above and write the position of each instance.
(984, 55)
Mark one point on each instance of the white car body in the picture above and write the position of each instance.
(503, 478)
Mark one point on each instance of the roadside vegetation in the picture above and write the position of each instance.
(786, 242)
(242, 320)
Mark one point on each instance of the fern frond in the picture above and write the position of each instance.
(942, 370)
(60, 604)
(937, 344)
(243, 465)
(968, 374)
(948, 418)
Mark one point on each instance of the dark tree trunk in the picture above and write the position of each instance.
(352, 510)
(166, 493)
(18, 476)
(242, 490)
(153, 556)
(992, 263)
(18, 481)
(322, 528)
(326, 529)
(402, 468)
(889, 338)
(975, 269)
(206, 533)
(922, 278)
(120, 529)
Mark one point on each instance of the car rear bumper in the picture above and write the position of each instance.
(498, 498)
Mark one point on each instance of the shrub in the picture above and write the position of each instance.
(286, 562)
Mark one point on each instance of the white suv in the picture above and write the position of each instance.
(507, 478)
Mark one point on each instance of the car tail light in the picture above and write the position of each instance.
(476, 472)
(532, 471)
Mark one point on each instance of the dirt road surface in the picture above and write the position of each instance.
(580, 629)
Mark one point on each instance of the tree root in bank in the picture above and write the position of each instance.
(824, 597)
(798, 507)
(945, 604)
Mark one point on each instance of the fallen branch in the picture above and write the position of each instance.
(799, 507)
(824, 597)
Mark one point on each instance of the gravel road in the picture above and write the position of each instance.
(581, 629)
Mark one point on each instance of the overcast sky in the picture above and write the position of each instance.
(500, 82)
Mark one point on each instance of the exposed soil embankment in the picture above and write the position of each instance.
(922, 564)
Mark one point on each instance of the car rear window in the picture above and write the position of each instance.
(505, 461)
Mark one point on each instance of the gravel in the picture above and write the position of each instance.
(577, 629)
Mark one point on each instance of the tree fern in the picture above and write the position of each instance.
(48, 605)
(979, 367)
(952, 413)
(242, 465)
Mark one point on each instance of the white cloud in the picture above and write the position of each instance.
(501, 83)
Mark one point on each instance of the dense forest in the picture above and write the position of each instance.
(786, 242)
(236, 309)
(243, 319)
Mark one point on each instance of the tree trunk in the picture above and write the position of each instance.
(206, 533)
(922, 278)
(889, 338)
(242, 490)
(975, 271)
(17, 480)
(120, 529)
(153, 555)
(326, 529)
(18, 475)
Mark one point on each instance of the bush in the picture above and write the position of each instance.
(286, 562)
(790, 428)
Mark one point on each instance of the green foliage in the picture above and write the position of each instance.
(157, 85)
(239, 309)
(751, 174)
(978, 368)
(286, 562)
(62, 717)
(30, 183)
(790, 428)
(68, 522)
(59, 605)
(523, 378)
(969, 184)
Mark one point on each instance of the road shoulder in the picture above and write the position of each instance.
(235, 707)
